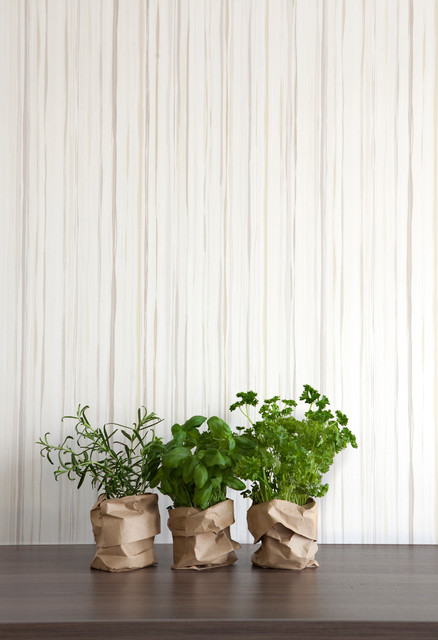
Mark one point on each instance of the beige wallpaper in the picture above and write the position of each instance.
(205, 196)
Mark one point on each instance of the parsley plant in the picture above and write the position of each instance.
(290, 456)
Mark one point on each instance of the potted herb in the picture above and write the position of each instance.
(121, 460)
(286, 468)
(196, 469)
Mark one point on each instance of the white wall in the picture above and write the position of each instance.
(202, 196)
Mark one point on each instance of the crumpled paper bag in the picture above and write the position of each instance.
(287, 532)
(201, 539)
(124, 531)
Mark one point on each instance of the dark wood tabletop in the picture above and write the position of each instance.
(358, 591)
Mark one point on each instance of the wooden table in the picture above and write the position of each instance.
(359, 591)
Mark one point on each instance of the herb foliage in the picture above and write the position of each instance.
(198, 466)
(122, 468)
(290, 456)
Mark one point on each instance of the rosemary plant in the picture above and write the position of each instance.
(120, 467)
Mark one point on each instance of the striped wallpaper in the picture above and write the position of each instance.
(205, 196)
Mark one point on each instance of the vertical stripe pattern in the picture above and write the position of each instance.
(201, 197)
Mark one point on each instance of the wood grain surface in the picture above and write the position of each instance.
(359, 591)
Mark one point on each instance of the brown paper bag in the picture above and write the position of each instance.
(124, 531)
(287, 532)
(201, 539)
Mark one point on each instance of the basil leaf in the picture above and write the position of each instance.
(175, 457)
(235, 483)
(202, 496)
(194, 422)
(218, 428)
(200, 475)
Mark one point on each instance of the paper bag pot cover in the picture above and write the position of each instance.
(201, 539)
(287, 533)
(124, 531)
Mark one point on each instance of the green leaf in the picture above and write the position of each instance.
(342, 418)
(180, 439)
(200, 475)
(245, 443)
(309, 394)
(202, 496)
(176, 428)
(235, 483)
(175, 457)
(82, 478)
(218, 428)
(155, 480)
(248, 398)
(188, 469)
(216, 482)
(214, 457)
(194, 422)
(166, 487)
(227, 460)
(192, 436)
